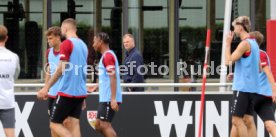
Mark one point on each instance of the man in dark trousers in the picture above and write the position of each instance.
(133, 62)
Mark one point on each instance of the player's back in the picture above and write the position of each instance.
(264, 82)
(73, 80)
(246, 76)
(9, 71)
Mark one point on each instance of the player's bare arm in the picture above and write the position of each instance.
(91, 89)
(56, 76)
(242, 48)
(113, 81)
(47, 74)
(271, 81)
(43, 93)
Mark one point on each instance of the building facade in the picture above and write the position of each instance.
(152, 22)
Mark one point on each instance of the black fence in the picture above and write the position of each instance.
(140, 115)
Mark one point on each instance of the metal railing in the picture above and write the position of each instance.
(143, 84)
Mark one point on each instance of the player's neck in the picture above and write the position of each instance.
(104, 49)
(71, 35)
(2, 45)
(244, 35)
(56, 48)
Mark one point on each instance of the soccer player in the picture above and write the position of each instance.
(109, 86)
(8, 74)
(54, 40)
(263, 104)
(72, 89)
(246, 77)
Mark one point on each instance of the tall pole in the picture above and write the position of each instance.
(125, 24)
(45, 24)
(125, 17)
(226, 29)
(210, 23)
(173, 39)
(49, 13)
(27, 9)
(141, 27)
(253, 14)
(98, 14)
(273, 9)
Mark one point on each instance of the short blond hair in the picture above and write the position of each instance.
(71, 22)
(258, 36)
(54, 31)
(3, 33)
(244, 21)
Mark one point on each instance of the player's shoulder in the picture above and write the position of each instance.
(263, 54)
(49, 50)
(12, 54)
(109, 54)
(66, 44)
(243, 46)
(67, 41)
(245, 43)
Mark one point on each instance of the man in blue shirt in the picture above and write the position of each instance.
(133, 62)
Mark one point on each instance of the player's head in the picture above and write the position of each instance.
(100, 39)
(128, 41)
(241, 24)
(3, 34)
(258, 36)
(53, 35)
(68, 25)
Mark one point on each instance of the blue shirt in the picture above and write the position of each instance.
(266, 89)
(246, 76)
(134, 58)
(73, 81)
(53, 61)
(104, 81)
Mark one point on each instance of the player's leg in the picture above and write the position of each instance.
(53, 134)
(270, 126)
(104, 119)
(239, 108)
(74, 116)
(73, 124)
(107, 129)
(60, 111)
(98, 126)
(8, 122)
(9, 132)
(264, 108)
(249, 119)
(241, 129)
(68, 123)
(60, 130)
(50, 106)
(250, 124)
(234, 132)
